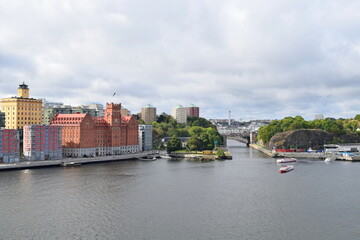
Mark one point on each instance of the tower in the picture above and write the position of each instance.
(23, 91)
(112, 114)
(21, 110)
(229, 117)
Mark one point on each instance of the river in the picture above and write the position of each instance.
(245, 198)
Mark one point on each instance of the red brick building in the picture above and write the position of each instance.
(83, 135)
(193, 111)
(42, 142)
(9, 146)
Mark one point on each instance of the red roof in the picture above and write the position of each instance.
(125, 119)
(68, 119)
(100, 121)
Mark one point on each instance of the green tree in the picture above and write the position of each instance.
(173, 144)
(195, 130)
(161, 119)
(180, 132)
(221, 154)
(194, 144)
(200, 122)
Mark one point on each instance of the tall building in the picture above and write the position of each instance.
(179, 114)
(9, 146)
(42, 142)
(193, 111)
(145, 137)
(84, 135)
(21, 110)
(148, 113)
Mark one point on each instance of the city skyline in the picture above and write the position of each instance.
(258, 60)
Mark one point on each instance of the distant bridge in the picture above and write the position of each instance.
(240, 137)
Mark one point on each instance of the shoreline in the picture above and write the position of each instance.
(298, 154)
(71, 161)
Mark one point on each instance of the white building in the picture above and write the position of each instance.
(145, 137)
(179, 113)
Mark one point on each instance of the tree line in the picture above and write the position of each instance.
(202, 134)
(335, 126)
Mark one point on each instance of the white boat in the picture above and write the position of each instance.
(285, 169)
(165, 156)
(70, 164)
(330, 159)
(147, 159)
(286, 160)
(351, 157)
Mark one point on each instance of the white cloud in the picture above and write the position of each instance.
(254, 58)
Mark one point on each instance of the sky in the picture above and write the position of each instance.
(259, 59)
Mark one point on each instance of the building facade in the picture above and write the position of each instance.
(49, 113)
(42, 142)
(84, 135)
(2, 120)
(50, 109)
(193, 111)
(21, 110)
(125, 112)
(148, 114)
(179, 114)
(9, 146)
(145, 137)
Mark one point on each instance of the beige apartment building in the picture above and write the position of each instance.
(179, 114)
(148, 113)
(21, 110)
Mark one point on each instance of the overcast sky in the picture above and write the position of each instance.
(260, 59)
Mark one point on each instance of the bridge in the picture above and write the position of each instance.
(240, 137)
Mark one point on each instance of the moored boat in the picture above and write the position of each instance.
(286, 160)
(330, 159)
(70, 164)
(285, 169)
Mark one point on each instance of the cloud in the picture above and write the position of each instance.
(256, 59)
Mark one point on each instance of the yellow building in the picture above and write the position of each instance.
(21, 110)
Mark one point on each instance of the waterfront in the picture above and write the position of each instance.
(245, 198)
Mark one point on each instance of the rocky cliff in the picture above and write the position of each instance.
(306, 138)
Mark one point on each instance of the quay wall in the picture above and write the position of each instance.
(288, 154)
(57, 163)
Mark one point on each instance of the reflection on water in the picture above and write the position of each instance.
(245, 198)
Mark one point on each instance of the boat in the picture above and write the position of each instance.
(285, 169)
(350, 157)
(70, 164)
(286, 160)
(147, 159)
(330, 159)
(165, 157)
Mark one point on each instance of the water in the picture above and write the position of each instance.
(245, 198)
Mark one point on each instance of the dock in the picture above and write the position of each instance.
(320, 155)
(73, 161)
(269, 153)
